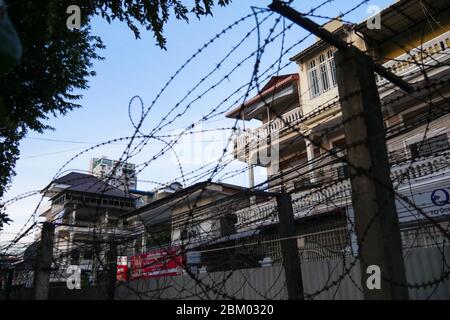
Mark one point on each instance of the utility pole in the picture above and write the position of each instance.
(373, 198)
(289, 248)
(111, 270)
(43, 262)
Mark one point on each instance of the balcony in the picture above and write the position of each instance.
(257, 137)
(87, 228)
(423, 174)
(411, 65)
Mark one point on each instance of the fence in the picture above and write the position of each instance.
(333, 279)
(242, 234)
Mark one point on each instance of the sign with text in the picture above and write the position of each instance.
(433, 201)
(157, 263)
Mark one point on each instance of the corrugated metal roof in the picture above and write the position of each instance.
(401, 17)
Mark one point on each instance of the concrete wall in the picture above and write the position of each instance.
(322, 280)
(427, 271)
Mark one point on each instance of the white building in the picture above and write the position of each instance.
(119, 174)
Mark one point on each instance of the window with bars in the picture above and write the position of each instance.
(343, 172)
(322, 73)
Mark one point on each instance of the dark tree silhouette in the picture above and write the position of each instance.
(56, 62)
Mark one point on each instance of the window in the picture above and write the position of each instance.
(74, 256)
(423, 115)
(106, 162)
(343, 172)
(228, 224)
(330, 56)
(342, 169)
(126, 171)
(322, 73)
(339, 145)
(191, 230)
(302, 184)
(138, 244)
(313, 80)
(429, 146)
(88, 255)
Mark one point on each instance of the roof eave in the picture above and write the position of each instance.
(235, 113)
(316, 46)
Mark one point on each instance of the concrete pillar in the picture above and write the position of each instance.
(251, 181)
(111, 270)
(43, 262)
(251, 175)
(373, 197)
(289, 247)
(70, 247)
(106, 218)
(8, 285)
(144, 242)
(94, 266)
(310, 156)
(57, 243)
(74, 215)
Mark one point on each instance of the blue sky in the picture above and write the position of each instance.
(138, 67)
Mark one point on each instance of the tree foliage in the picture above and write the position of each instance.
(57, 62)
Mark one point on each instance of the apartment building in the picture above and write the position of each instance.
(119, 174)
(301, 115)
(83, 209)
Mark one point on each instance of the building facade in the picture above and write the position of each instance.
(85, 211)
(186, 222)
(301, 116)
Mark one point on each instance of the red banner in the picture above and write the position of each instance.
(157, 263)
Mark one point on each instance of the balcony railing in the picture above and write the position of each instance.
(428, 55)
(408, 65)
(337, 192)
(252, 136)
(86, 227)
(421, 167)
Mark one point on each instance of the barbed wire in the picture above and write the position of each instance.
(190, 219)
